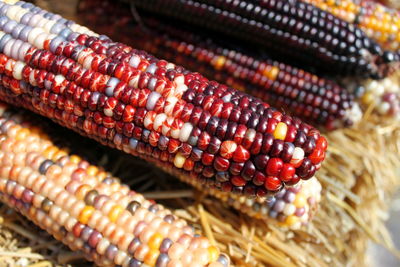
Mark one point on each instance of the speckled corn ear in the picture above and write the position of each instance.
(294, 29)
(88, 209)
(379, 22)
(128, 99)
(383, 95)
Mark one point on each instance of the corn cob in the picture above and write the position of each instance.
(127, 99)
(379, 22)
(88, 209)
(291, 208)
(294, 29)
(383, 95)
(305, 95)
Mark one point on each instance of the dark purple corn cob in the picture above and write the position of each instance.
(297, 30)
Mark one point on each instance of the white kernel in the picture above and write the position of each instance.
(179, 160)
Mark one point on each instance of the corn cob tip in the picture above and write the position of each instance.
(292, 208)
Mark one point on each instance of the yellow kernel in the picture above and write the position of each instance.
(155, 241)
(330, 2)
(291, 220)
(115, 212)
(266, 71)
(179, 160)
(59, 154)
(351, 7)
(101, 175)
(151, 257)
(367, 98)
(219, 62)
(213, 253)
(22, 134)
(82, 191)
(92, 170)
(323, 6)
(280, 131)
(300, 201)
(273, 73)
(75, 159)
(85, 214)
(50, 151)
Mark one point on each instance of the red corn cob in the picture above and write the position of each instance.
(147, 107)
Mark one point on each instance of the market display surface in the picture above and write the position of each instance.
(248, 154)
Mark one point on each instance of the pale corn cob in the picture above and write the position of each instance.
(88, 209)
(129, 100)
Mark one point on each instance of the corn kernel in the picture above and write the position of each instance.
(115, 212)
(280, 131)
(85, 214)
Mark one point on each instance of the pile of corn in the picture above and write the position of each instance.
(226, 143)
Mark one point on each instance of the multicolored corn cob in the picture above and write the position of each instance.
(291, 208)
(383, 95)
(379, 22)
(295, 30)
(128, 99)
(88, 209)
(314, 99)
